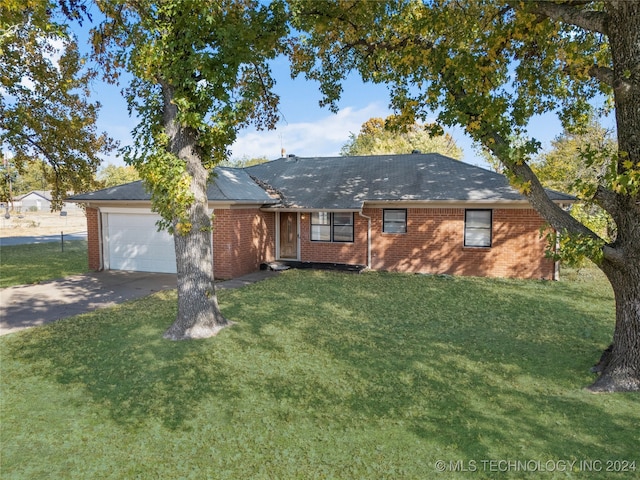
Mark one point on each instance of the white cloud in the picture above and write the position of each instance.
(324, 137)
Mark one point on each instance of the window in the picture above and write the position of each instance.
(321, 226)
(394, 221)
(332, 227)
(477, 228)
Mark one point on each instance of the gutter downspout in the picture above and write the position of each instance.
(556, 264)
(368, 238)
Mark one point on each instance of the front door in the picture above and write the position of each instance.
(288, 235)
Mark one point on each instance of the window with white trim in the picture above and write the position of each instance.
(394, 220)
(477, 228)
(332, 226)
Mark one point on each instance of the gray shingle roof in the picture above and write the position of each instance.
(230, 184)
(347, 182)
(45, 194)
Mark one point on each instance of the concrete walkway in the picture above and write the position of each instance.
(27, 306)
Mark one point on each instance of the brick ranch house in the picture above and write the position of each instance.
(417, 213)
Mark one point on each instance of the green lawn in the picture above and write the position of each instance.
(326, 375)
(22, 264)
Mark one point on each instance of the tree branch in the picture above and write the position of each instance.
(558, 218)
(606, 198)
(603, 74)
(569, 12)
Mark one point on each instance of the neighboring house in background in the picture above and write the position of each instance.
(417, 213)
(34, 201)
(39, 201)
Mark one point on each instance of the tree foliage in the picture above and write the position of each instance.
(205, 59)
(378, 136)
(245, 161)
(575, 163)
(200, 73)
(45, 111)
(34, 175)
(490, 66)
(112, 175)
(576, 159)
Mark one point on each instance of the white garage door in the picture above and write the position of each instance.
(135, 244)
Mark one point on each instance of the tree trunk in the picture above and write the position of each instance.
(199, 315)
(621, 370)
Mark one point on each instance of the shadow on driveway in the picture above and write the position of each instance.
(31, 305)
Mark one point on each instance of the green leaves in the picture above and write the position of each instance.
(45, 111)
(201, 74)
(378, 136)
(573, 248)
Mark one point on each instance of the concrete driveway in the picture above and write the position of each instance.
(31, 305)
(26, 306)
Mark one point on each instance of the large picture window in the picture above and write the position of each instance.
(477, 228)
(394, 221)
(332, 227)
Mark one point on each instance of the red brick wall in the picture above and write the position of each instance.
(434, 243)
(242, 240)
(93, 238)
(245, 238)
(334, 252)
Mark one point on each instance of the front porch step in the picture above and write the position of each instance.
(286, 264)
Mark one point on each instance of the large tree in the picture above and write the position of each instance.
(45, 109)
(380, 136)
(490, 66)
(200, 73)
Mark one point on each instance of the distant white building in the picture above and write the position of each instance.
(38, 201)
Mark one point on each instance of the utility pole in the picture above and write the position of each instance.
(6, 163)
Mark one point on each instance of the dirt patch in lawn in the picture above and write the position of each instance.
(42, 223)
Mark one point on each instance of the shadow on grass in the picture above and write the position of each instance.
(119, 357)
(476, 368)
(486, 367)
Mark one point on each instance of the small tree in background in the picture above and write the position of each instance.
(111, 175)
(379, 136)
(576, 160)
(245, 162)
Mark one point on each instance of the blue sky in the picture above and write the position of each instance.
(305, 128)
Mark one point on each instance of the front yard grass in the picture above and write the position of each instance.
(24, 264)
(326, 375)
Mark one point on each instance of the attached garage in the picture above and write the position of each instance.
(122, 232)
(133, 243)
